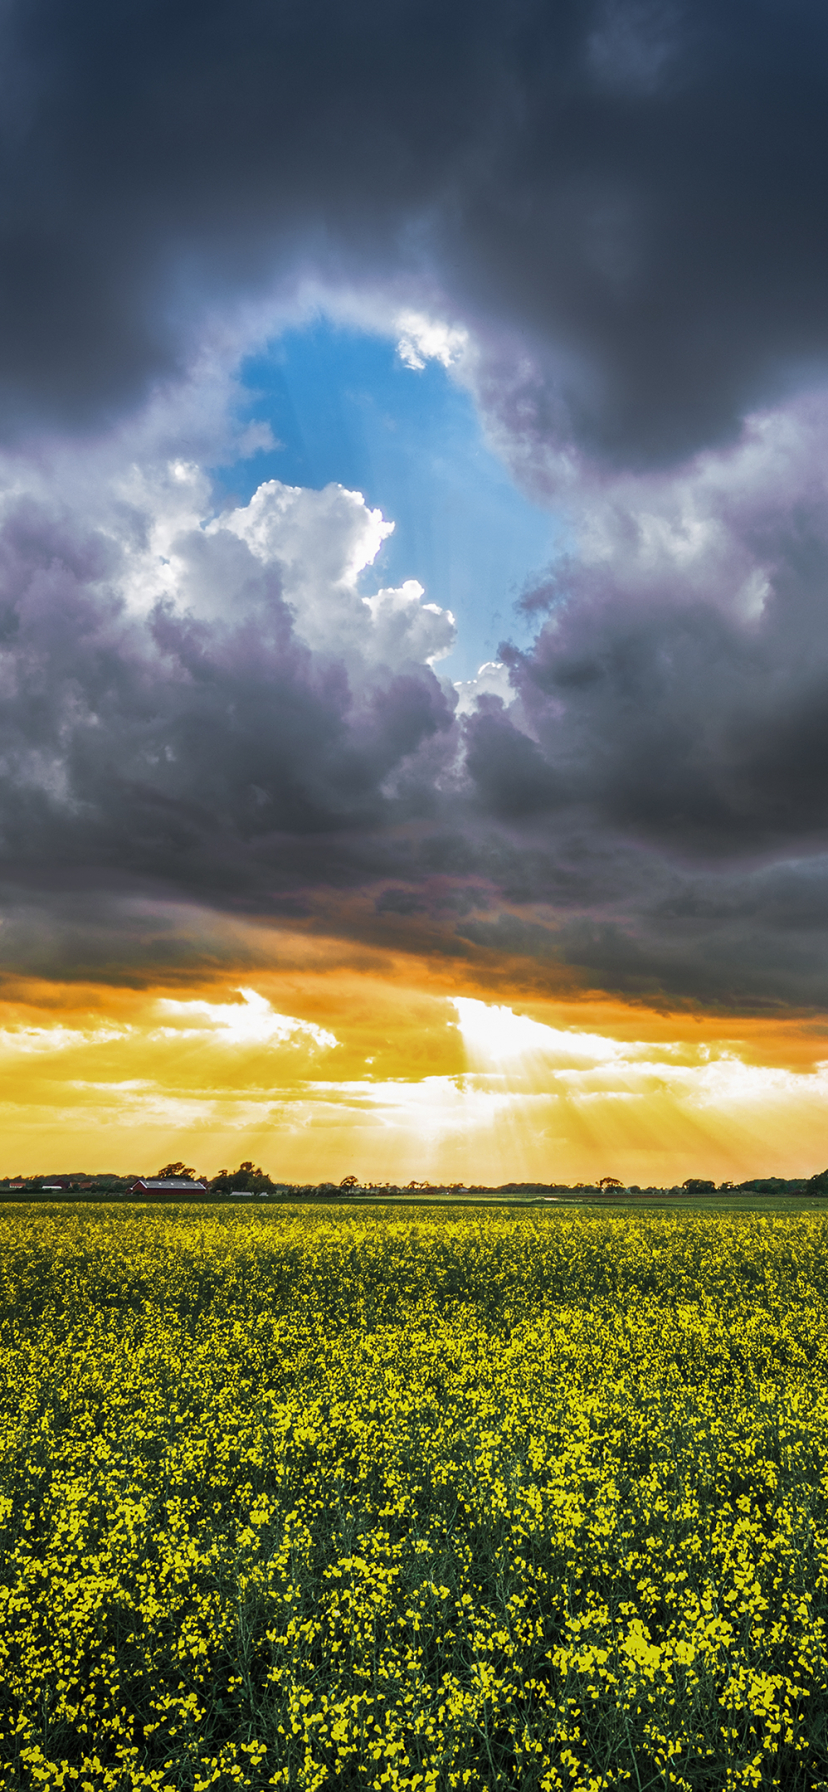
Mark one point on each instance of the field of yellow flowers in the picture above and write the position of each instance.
(330, 1499)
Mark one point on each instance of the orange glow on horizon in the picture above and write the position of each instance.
(386, 1067)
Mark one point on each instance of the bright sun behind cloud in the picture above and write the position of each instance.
(494, 1036)
(249, 1022)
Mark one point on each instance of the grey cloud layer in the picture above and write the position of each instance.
(625, 204)
(631, 191)
(171, 745)
(254, 739)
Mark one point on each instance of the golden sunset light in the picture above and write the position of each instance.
(403, 1081)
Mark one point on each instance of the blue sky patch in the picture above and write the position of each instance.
(343, 406)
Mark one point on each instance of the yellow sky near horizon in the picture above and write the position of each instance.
(392, 1070)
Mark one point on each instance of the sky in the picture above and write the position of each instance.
(344, 407)
(414, 588)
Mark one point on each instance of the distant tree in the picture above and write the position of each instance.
(696, 1186)
(247, 1179)
(349, 1182)
(610, 1182)
(181, 1171)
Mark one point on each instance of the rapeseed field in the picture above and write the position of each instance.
(312, 1499)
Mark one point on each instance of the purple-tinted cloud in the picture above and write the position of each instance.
(620, 209)
(231, 725)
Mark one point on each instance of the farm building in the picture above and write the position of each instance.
(171, 1185)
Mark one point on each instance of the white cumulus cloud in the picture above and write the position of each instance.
(424, 338)
(490, 680)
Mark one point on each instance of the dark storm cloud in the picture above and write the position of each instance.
(626, 204)
(667, 757)
(181, 754)
(157, 770)
(630, 192)
(675, 721)
(722, 942)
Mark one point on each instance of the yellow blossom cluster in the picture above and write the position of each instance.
(313, 1499)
